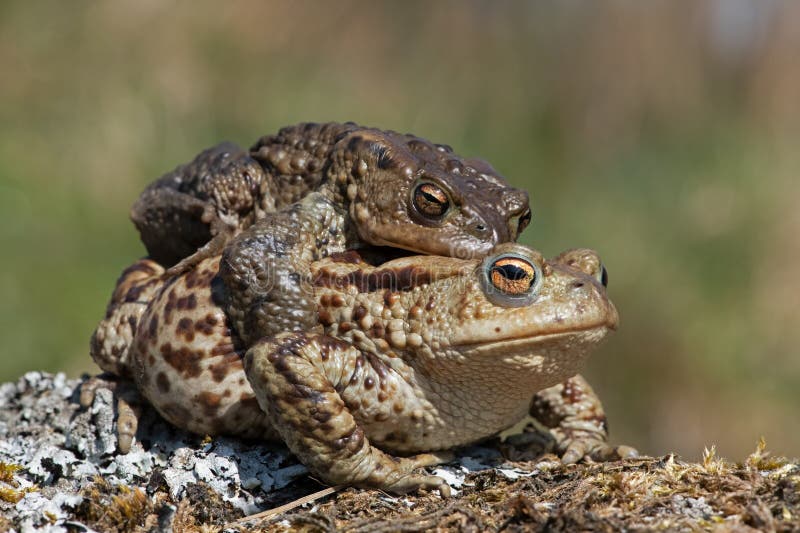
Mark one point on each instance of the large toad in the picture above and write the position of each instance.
(394, 190)
(419, 354)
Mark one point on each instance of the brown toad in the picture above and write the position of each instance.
(418, 354)
(398, 190)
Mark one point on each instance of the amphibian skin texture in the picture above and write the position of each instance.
(416, 355)
(396, 190)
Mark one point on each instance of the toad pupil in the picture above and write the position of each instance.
(513, 272)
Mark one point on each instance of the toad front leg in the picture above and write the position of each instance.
(307, 384)
(576, 419)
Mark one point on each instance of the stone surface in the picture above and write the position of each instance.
(59, 471)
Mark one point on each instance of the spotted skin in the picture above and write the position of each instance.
(404, 358)
(192, 212)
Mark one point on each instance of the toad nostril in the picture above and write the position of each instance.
(577, 284)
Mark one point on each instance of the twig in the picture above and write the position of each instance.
(289, 506)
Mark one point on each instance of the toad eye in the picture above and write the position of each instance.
(430, 200)
(511, 280)
(524, 220)
(602, 276)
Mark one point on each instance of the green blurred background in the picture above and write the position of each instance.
(664, 134)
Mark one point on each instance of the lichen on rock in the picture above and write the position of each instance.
(60, 471)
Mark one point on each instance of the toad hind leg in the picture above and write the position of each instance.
(576, 419)
(128, 405)
(298, 379)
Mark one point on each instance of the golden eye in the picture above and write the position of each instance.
(512, 275)
(524, 220)
(511, 279)
(430, 200)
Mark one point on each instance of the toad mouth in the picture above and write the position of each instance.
(588, 335)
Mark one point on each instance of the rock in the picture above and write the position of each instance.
(59, 471)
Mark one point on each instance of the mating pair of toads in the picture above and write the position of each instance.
(281, 300)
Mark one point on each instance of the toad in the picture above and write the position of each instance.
(395, 190)
(406, 359)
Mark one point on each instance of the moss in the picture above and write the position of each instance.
(9, 491)
(647, 493)
(7, 471)
(114, 508)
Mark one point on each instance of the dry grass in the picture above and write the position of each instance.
(648, 493)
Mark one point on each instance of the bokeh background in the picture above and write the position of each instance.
(664, 134)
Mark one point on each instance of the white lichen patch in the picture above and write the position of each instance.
(60, 448)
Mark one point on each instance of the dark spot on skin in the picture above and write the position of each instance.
(357, 366)
(200, 278)
(230, 362)
(379, 367)
(185, 329)
(206, 324)
(397, 408)
(497, 329)
(429, 306)
(210, 402)
(389, 298)
(151, 359)
(393, 279)
(377, 331)
(322, 417)
(223, 348)
(325, 318)
(134, 293)
(152, 327)
(369, 383)
(359, 312)
(132, 323)
(325, 300)
(329, 344)
(162, 382)
(349, 256)
(344, 327)
(169, 307)
(337, 300)
(572, 393)
(382, 396)
(184, 360)
(187, 302)
(191, 279)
